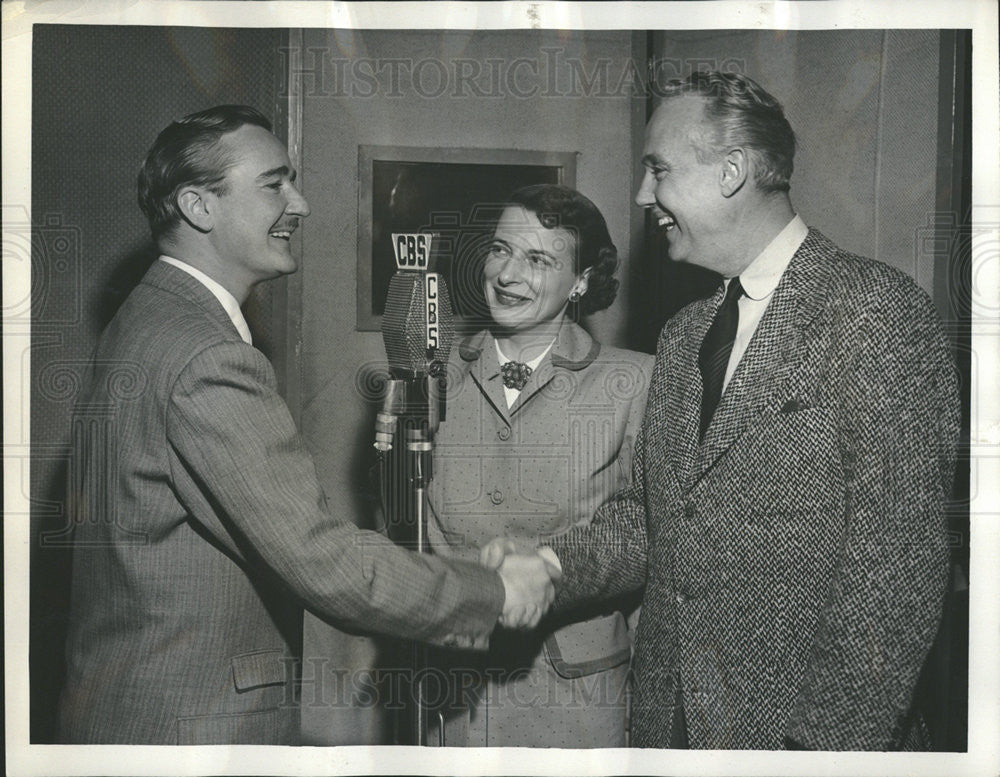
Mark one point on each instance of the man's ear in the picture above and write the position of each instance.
(735, 169)
(192, 201)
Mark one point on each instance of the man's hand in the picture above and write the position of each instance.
(528, 585)
(493, 552)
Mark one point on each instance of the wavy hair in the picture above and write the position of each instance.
(558, 206)
(188, 153)
(744, 115)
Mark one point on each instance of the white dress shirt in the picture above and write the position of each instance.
(226, 299)
(510, 394)
(759, 281)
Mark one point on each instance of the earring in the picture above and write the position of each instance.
(574, 296)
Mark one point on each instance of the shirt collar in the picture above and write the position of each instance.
(761, 277)
(533, 364)
(226, 299)
(573, 349)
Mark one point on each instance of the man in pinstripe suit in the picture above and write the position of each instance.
(787, 509)
(200, 528)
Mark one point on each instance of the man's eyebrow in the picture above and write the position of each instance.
(277, 172)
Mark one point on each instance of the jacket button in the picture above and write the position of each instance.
(681, 597)
(503, 433)
(496, 497)
(689, 510)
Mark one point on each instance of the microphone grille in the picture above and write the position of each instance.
(446, 323)
(402, 323)
(415, 322)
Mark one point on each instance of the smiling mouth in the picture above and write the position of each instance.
(506, 298)
(284, 232)
(665, 221)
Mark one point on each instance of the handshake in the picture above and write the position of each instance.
(528, 581)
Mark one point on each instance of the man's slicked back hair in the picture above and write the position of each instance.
(743, 115)
(188, 153)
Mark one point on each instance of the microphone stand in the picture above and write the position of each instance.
(417, 330)
(415, 401)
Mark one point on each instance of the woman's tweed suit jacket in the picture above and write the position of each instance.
(538, 469)
(794, 561)
(200, 530)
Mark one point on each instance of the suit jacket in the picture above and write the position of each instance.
(541, 467)
(200, 531)
(795, 560)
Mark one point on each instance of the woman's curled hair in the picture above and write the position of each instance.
(558, 206)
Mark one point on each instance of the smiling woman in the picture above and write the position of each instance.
(541, 421)
(530, 277)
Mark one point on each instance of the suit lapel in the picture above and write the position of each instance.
(573, 350)
(174, 280)
(479, 353)
(536, 382)
(774, 354)
(685, 388)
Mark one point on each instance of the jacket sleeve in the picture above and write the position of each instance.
(232, 432)
(899, 426)
(607, 558)
(633, 422)
(638, 411)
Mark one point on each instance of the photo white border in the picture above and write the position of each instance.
(984, 722)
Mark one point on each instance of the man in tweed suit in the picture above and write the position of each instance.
(200, 526)
(790, 533)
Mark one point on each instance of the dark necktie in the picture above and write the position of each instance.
(715, 350)
(515, 374)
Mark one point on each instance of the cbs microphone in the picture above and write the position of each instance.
(417, 330)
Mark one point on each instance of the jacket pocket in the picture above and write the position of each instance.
(260, 668)
(591, 646)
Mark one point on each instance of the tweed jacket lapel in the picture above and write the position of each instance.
(684, 388)
(176, 281)
(775, 353)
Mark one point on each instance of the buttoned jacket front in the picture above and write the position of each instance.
(542, 466)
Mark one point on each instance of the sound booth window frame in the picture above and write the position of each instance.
(495, 163)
